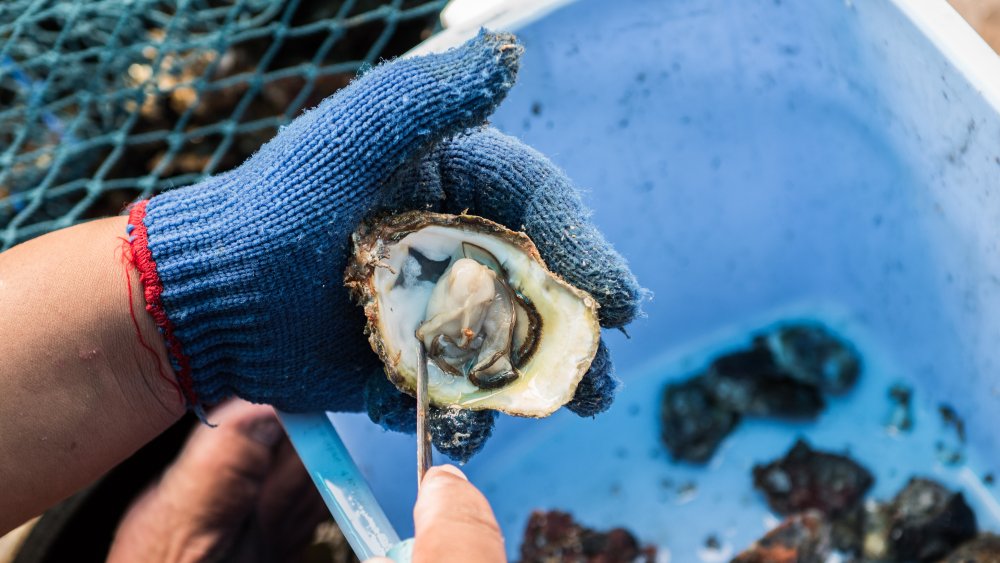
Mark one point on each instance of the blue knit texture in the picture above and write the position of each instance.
(457, 433)
(597, 389)
(252, 261)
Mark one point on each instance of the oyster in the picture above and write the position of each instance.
(499, 329)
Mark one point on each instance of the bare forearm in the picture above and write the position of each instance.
(79, 390)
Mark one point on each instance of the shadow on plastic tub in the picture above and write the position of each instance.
(749, 159)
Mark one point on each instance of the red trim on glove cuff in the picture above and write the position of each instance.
(142, 258)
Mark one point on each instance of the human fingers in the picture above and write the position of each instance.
(196, 509)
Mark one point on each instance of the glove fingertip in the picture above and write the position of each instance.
(505, 45)
(388, 407)
(460, 433)
(466, 84)
(503, 51)
(621, 297)
(596, 390)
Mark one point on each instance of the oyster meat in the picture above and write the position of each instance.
(499, 329)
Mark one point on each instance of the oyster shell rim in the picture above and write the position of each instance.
(369, 246)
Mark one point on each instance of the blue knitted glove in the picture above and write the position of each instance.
(243, 271)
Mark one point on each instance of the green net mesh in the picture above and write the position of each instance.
(105, 101)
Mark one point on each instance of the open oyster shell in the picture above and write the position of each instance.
(500, 330)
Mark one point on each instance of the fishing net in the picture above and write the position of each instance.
(105, 101)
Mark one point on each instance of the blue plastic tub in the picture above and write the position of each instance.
(756, 160)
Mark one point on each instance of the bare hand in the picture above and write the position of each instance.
(237, 492)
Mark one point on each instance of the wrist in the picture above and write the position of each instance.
(200, 264)
(146, 293)
(144, 370)
(78, 394)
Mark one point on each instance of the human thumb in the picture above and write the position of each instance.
(453, 522)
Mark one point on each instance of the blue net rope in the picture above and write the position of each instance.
(105, 101)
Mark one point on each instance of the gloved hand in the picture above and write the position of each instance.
(490, 174)
(243, 271)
